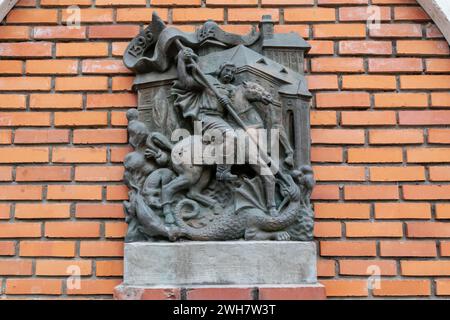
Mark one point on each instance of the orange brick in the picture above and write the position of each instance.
(72, 229)
(63, 267)
(51, 67)
(118, 48)
(425, 82)
(33, 286)
(428, 229)
(251, 15)
(375, 155)
(113, 3)
(56, 101)
(107, 268)
(410, 13)
(60, 33)
(65, 2)
(7, 248)
(5, 211)
(99, 210)
(219, 293)
(400, 100)
(319, 46)
(95, 287)
(11, 67)
(29, 119)
(200, 14)
(440, 99)
(396, 210)
(337, 136)
(442, 287)
(408, 248)
(90, 15)
(14, 32)
(118, 118)
(309, 14)
(116, 192)
(348, 248)
(407, 136)
(375, 192)
(20, 230)
(365, 267)
(280, 2)
(323, 118)
(326, 268)
(119, 100)
(31, 136)
(337, 65)
(422, 47)
(5, 173)
(341, 210)
(15, 267)
(96, 173)
(232, 3)
(42, 211)
(438, 65)
(318, 82)
(85, 83)
(445, 248)
(27, 16)
(365, 47)
(368, 118)
(425, 268)
(93, 136)
(363, 14)
(47, 248)
(12, 101)
(122, 83)
(82, 49)
(369, 82)
(74, 192)
(397, 30)
(140, 14)
(5, 137)
(113, 32)
(401, 288)
(395, 65)
(435, 117)
(442, 211)
(432, 31)
(81, 118)
(342, 30)
(322, 192)
(426, 192)
(79, 155)
(326, 154)
(440, 173)
(24, 154)
(339, 173)
(339, 2)
(92, 66)
(345, 288)
(119, 153)
(101, 249)
(411, 173)
(373, 229)
(342, 100)
(25, 83)
(115, 229)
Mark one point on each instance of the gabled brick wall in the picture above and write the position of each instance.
(381, 142)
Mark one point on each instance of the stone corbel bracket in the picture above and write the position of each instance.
(5, 7)
(439, 11)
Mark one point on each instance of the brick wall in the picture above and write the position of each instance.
(381, 146)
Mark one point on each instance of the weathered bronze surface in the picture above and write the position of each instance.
(216, 111)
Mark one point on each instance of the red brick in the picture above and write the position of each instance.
(47, 248)
(233, 3)
(411, 173)
(101, 249)
(401, 288)
(400, 100)
(118, 48)
(422, 47)
(140, 14)
(410, 14)
(445, 248)
(21, 192)
(373, 229)
(428, 230)
(309, 14)
(5, 137)
(337, 136)
(5, 173)
(365, 267)
(368, 118)
(334, 31)
(64, 3)
(14, 32)
(166, 293)
(348, 248)
(79, 155)
(12, 101)
(438, 65)
(406, 136)
(345, 288)
(365, 48)
(114, 3)
(324, 192)
(395, 65)
(107, 268)
(325, 154)
(333, 65)
(201, 14)
(443, 211)
(25, 84)
(319, 46)
(439, 173)
(96, 173)
(51, 67)
(56, 101)
(20, 230)
(292, 293)
(85, 83)
(116, 192)
(426, 192)
(219, 294)
(72, 229)
(15, 267)
(23, 154)
(252, 15)
(363, 14)
(92, 66)
(113, 32)
(26, 49)
(81, 118)
(318, 82)
(342, 210)
(408, 248)
(5, 211)
(339, 173)
(82, 49)
(440, 99)
(90, 15)
(342, 100)
(74, 192)
(11, 67)
(432, 31)
(63, 267)
(99, 210)
(375, 155)
(33, 16)
(42, 211)
(326, 268)
(425, 268)
(442, 287)
(375, 192)
(59, 32)
(369, 82)
(31, 136)
(119, 153)
(425, 82)
(7, 248)
(394, 210)
(397, 30)
(437, 117)
(93, 136)
(339, 2)
(33, 286)
(323, 118)
(122, 83)
(35, 119)
(327, 229)
(95, 287)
